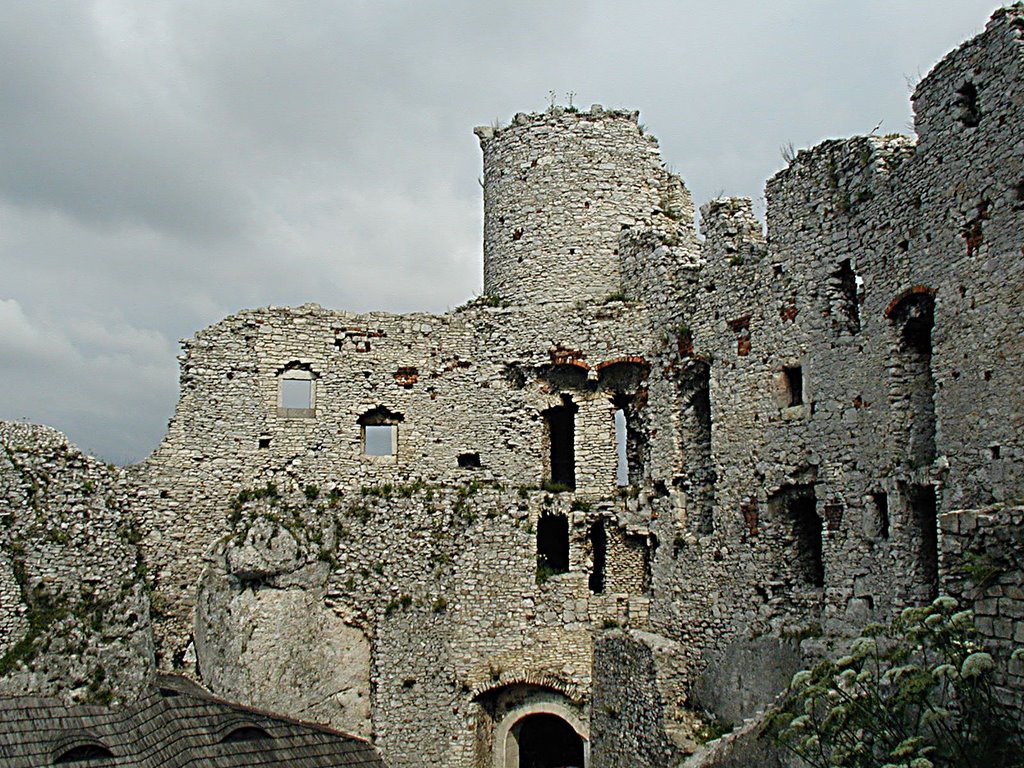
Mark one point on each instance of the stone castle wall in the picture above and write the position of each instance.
(983, 553)
(796, 411)
(74, 607)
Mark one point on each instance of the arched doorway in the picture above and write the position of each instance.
(534, 725)
(547, 741)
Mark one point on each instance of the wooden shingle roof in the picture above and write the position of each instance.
(172, 726)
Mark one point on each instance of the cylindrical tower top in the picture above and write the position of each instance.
(559, 187)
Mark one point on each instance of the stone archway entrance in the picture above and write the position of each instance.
(547, 741)
(533, 726)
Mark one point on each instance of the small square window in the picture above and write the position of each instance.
(380, 439)
(296, 393)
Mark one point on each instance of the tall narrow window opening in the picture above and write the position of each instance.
(599, 553)
(968, 110)
(794, 377)
(552, 546)
(912, 392)
(631, 443)
(924, 518)
(844, 304)
(622, 465)
(880, 508)
(561, 439)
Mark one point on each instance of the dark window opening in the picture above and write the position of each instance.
(599, 546)
(622, 376)
(798, 506)
(794, 377)
(264, 443)
(561, 439)
(994, 452)
(880, 504)
(84, 752)
(469, 460)
(912, 393)
(844, 303)
(564, 377)
(968, 111)
(552, 546)
(699, 477)
(246, 733)
(547, 741)
(924, 516)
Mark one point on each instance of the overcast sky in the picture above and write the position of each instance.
(164, 164)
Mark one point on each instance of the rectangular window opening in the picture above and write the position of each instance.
(561, 424)
(469, 460)
(880, 502)
(698, 478)
(380, 439)
(794, 376)
(806, 554)
(552, 546)
(843, 293)
(912, 385)
(622, 464)
(296, 393)
(599, 553)
(924, 511)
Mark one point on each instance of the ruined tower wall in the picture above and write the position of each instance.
(558, 188)
(970, 109)
(886, 295)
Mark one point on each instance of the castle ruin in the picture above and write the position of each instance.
(645, 474)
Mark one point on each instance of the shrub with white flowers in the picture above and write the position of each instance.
(914, 694)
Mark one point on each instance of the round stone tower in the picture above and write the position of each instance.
(559, 187)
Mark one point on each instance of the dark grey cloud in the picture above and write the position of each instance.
(167, 163)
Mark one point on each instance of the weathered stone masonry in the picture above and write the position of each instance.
(412, 526)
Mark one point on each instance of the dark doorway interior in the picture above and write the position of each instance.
(924, 508)
(805, 553)
(599, 544)
(552, 546)
(547, 741)
(561, 422)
